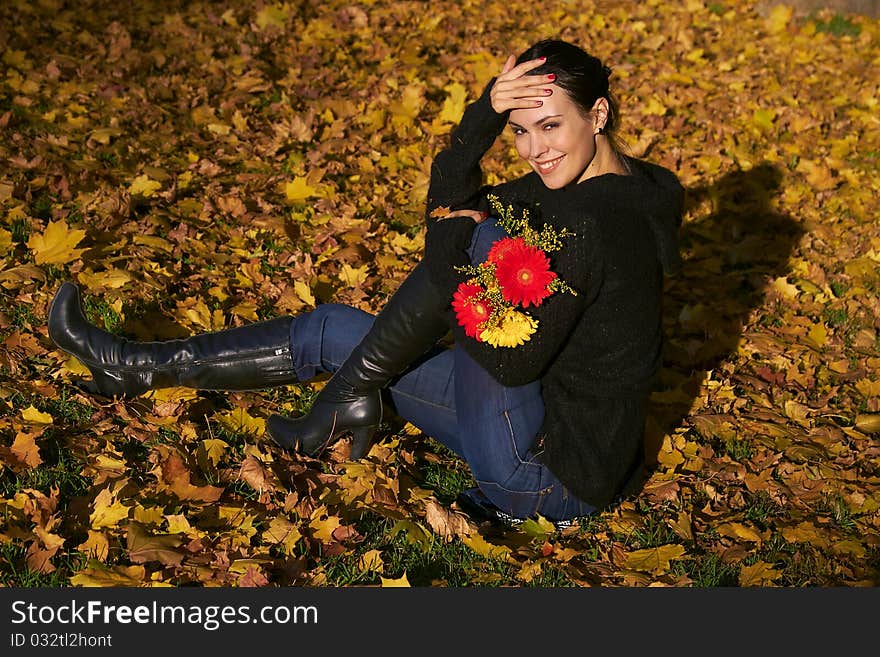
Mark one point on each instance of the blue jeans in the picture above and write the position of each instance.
(451, 398)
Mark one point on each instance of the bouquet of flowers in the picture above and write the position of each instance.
(491, 304)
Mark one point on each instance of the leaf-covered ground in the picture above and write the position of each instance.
(198, 165)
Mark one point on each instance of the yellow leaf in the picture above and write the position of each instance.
(219, 129)
(174, 394)
(323, 527)
(73, 366)
(299, 190)
(539, 527)
(246, 311)
(351, 276)
(739, 530)
(849, 546)
(104, 135)
(453, 106)
(5, 241)
(763, 118)
(32, 415)
(200, 315)
(149, 515)
(56, 245)
(868, 387)
(818, 174)
(282, 532)
(154, 242)
(654, 560)
(482, 547)
(371, 561)
(779, 17)
(759, 574)
(6, 190)
(239, 121)
(786, 289)
(214, 449)
(400, 582)
(868, 422)
(304, 292)
(178, 524)
(818, 334)
(239, 420)
(96, 546)
(407, 108)
(655, 107)
(108, 512)
(796, 411)
(144, 186)
(272, 15)
(110, 278)
(99, 575)
(805, 532)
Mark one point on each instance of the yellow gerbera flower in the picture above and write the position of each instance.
(513, 329)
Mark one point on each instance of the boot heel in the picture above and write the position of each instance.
(361, 439)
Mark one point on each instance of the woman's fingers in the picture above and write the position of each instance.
(476, 215)
(520, 69)
(509, 64)
(515, 89)
(505, 97)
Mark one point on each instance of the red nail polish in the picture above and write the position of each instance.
(551, 77)
(543, 59)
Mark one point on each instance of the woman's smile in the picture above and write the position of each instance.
(548, 166)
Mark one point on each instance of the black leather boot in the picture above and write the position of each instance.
(244, 358)
(408, 326)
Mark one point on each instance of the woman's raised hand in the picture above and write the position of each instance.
(514, 89)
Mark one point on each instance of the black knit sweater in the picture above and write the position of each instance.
(596, 353)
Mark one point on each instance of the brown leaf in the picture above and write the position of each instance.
(144, 547)
(758, 574)
(255, 474)
(24, 449)
(445, 522)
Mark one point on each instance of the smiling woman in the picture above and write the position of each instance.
(567, 135)
(550, 422)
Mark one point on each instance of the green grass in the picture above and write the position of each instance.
(738, 450)
(761, 509)
(835, 507)
(101, 313)
(15, 572)
(839, 26)
(433, 562)
(707, 571)
(447, 477)
(60, 469)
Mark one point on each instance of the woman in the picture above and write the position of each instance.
(551, 427)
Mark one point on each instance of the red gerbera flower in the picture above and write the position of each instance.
(524, 275)
(471, 311)
(502, 247)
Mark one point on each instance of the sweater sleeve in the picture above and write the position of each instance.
(580, 265)
(456, 183)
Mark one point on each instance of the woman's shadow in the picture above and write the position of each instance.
(733, 244)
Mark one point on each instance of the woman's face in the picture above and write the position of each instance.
(556, 139)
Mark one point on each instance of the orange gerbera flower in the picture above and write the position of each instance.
(471, 310)
(524, 275)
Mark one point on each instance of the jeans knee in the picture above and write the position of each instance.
(485, 235)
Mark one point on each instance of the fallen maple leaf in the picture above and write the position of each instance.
(654, 560)
(55, 246)
(445, 522)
